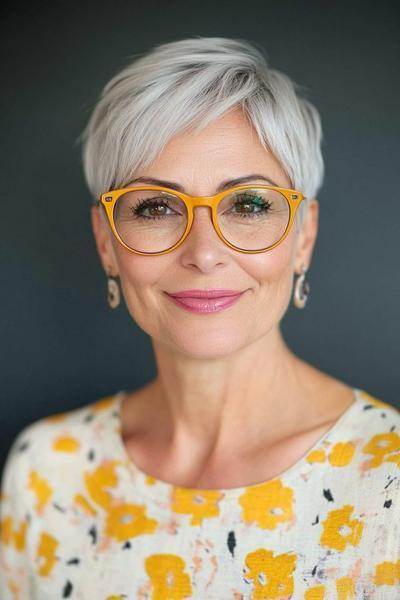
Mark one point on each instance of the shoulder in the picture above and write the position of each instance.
(376, 424)
(381, 412)
(49, 445)
(374, 434)
(360, 454)
(50, 429)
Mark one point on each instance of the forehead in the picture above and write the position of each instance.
(225, 149)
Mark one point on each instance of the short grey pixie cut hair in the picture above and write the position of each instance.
(188, 84)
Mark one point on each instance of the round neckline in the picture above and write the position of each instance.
(153, 488)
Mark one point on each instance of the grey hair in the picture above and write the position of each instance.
(188, 84)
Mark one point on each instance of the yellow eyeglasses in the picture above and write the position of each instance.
(154, 220)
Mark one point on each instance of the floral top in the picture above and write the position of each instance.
(79, 520)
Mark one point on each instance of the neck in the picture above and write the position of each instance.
(240, 400)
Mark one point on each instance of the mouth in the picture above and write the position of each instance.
(205, 303)
(212, 293)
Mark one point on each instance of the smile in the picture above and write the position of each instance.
(205, 305)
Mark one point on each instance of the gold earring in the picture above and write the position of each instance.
(113, 293)
(301, 289)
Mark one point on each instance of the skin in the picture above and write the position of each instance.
(231, 404)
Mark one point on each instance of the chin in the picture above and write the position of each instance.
(207, 345)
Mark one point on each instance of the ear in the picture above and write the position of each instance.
(103, 238)
(307, 236)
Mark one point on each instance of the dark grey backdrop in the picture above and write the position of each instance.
(61, 345)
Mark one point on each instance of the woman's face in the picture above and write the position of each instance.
(227, 149)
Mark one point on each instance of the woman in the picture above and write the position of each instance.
(241, 471)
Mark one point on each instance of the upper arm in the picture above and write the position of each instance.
(17, 524)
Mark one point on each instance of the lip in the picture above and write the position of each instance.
(205, 304)
(214, 293)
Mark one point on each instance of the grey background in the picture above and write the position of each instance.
(61, 346)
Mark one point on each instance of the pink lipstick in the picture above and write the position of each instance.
(205, 301)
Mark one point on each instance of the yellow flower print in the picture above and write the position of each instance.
(316, 456)
(387, 573)
(200, 504)
(56, 418)
(345, 588)
(6, 530)
(102, 404)
(97, 481)
(47, 552)
(81, 501)
(20, 536)
(41, 488)
(339, 530)
(66, 443)
(128, 520)
(267, 504)
(169, 581)
(272, 575)
(316, 592)
(341, 454)
(380, 446)
(8, 534)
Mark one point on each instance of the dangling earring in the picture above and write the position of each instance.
(113, 294)
(301, 289)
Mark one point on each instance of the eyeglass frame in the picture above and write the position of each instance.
(110, 198)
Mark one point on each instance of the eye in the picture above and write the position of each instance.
(153, 203)
(251, 202)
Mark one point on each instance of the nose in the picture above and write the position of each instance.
(202, 225)
(203, 246)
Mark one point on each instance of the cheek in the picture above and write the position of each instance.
(139, 276)
(274, 267)
(273, 272)
(136, 271)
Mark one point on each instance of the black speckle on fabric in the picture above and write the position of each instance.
(23, 446)
(328, 495)
(387, 503)
(73, 561)
(231, 541)
(67, 591)
(389, 482)
(91, 454)
(93, 534)
(88, 418)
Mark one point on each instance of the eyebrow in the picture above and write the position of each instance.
(222, 186)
